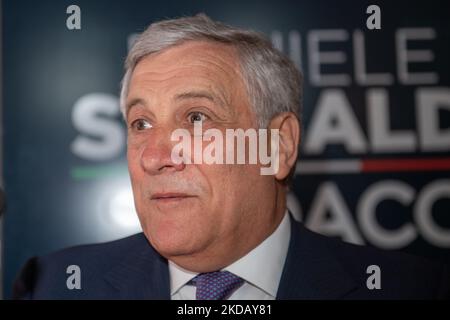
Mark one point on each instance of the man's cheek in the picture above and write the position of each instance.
(134, 161)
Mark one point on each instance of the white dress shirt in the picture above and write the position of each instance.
(260, 269)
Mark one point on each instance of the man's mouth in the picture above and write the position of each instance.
(170, 196)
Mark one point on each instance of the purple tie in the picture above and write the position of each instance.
(216, 285)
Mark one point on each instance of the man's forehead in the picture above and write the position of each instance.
(183, 95)
(212, 57)
(200, 74)
(180, 88)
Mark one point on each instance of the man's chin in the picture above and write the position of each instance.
(173, 205)
(184, 252)
(170, 247)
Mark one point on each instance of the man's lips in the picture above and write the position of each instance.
(170, 196)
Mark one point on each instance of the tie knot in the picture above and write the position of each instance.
(216, 285)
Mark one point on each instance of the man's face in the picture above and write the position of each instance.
(210, 212)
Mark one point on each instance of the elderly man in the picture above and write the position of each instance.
(218, 230)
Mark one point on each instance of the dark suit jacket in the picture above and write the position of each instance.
(316, 267)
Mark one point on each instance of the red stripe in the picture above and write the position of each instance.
(386, 165)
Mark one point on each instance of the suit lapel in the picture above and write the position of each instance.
(310, 270)
(143, 274)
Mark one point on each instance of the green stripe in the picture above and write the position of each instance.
(98, 172)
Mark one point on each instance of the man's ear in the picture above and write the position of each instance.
(289, 134)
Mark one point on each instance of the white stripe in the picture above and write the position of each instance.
(328, 166)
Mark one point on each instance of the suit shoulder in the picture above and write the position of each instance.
(354, 254)
(401, 273)
(41, 274)
(95, 253)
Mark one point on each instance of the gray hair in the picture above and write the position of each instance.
(273, 83)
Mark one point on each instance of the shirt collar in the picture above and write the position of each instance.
(261, 267)
(179, 277)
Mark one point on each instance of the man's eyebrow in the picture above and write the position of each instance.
(180, 96)
(132, 103)
(200, 94)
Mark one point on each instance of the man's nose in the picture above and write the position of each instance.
(156, 157)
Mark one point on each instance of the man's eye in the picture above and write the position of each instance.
(197, 117)
(140, 124)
